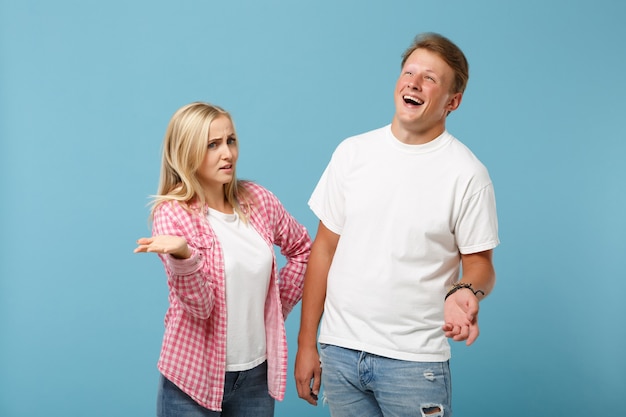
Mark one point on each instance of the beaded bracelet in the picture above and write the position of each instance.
(461, 285)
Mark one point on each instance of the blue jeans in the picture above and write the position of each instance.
(245, 395)
(358, 384)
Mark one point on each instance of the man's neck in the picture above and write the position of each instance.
(416, 136)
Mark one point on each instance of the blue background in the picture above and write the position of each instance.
(87, 89)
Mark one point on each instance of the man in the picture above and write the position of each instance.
(402, 210)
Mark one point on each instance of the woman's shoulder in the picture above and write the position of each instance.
(167, 206)
(254, 190)
(178, 216)
(174, 209)
(257, 195)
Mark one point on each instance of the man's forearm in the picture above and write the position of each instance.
(478, 270)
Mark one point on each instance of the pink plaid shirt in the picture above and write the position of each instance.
(193, 354)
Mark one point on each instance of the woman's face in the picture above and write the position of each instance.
(218, 166)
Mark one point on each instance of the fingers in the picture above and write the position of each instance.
(472, 311)
(469, 333)
(141, 245)
(308, 381)
(306, 392)
(457, 333)
(144, 245)
(308, 373)
(462, 334)
(317, 382)
(473, 335)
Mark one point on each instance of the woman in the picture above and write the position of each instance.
(224, 351)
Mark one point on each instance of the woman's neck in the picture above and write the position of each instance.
(216, 200)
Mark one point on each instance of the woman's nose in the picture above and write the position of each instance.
(227, 153)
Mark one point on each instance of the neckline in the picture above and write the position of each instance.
(431, 146)
(227, 217)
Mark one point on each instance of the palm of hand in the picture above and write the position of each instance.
(174, 245)
(461, 317)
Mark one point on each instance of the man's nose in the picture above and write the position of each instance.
(414, 83)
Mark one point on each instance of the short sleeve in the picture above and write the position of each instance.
(477, 225)
(328, 199)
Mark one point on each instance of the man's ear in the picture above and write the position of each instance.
(454, 102)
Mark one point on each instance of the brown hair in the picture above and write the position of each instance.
(448, 51)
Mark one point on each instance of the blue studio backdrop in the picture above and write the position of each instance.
(87, 89)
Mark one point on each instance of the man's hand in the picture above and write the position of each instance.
(460, 314)
(308, 374)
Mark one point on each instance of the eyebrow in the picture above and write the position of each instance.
(232, 135)
(430, 71)
(420, 67)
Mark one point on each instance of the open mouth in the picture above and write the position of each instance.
(412, 100)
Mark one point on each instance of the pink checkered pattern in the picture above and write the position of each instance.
(193, 354)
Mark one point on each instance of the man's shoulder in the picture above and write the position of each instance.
(364, 138)
(467, 164)
(462, 150)
(370, 134)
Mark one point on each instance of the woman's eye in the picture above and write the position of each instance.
(212, 145)
(231, 141)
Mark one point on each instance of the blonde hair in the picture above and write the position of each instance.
(184, 149)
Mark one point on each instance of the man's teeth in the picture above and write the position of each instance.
(412, 100)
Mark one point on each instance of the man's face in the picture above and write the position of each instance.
(423, 94)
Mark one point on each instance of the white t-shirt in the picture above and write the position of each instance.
(248, 263)
(404, 214)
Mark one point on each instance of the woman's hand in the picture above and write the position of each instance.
(174, 245)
